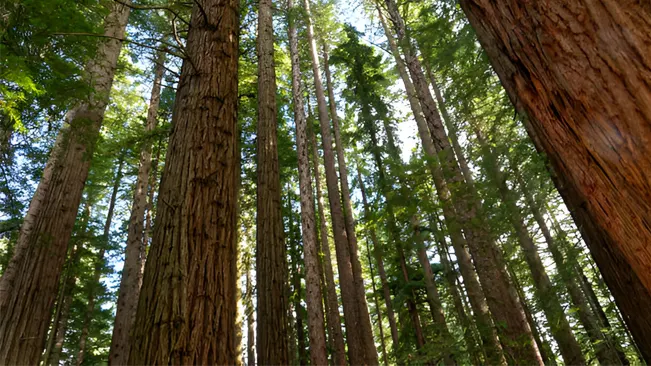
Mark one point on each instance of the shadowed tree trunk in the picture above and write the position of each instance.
(502, 299)
(188, 302)
(377, 252)
(28, 286)
(334, 319)
(99, 265)
(357, 350)
(579, 73)
(132, 271)
(271, 262)
(365, 319)
(549, 300)
(313, 295)
(475, 294)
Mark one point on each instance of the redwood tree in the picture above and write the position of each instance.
(188, 302)
(28, 286)
(579, 72)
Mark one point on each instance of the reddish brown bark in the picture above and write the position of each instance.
(188, 302)
(28, 286)
(271, 263)
(579, 72)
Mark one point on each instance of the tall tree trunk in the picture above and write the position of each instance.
(449, 272)
(549, 300)
(271, 263)
(545, 349)
(99, 265)
(250, 335)
(357, 350)
(188, 302)
(578, 72)
(377, 252)
(365, 319)
(476, 296)
(313, 295)
(501, 297)
(605, 348)
(434, 299)
(299, 311)
(150, 210)
(131, 273)
(28, 286)
(334, 319)
(378, 312)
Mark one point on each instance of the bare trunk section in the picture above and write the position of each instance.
(605, 348)
(334, 319)
(378, 312)
(132, 272)
(313, 295)
(434, 299)
(28, 287)
(475, 293)
(188, 301)
(99, 264)
(377, 252)
(271, 263)
(501, 297)
(579, 72)
(357, 350)
(365, 319)
(250, 333)
(549, 301)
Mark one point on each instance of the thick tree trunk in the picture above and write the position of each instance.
(605, 348)
(365, 319)
(132, 272)
(579, 74)
(28, 287)
(99, 264)
(501, 297)
(475, 294)
(313, 295)
(334, 318)
(434, 300)
(188, 302)
(379, 258)
(357, 350)
(549, 300)
(271, 263)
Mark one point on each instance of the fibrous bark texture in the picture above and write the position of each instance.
(313, 296)
(188, 302)
(28, 287)
(579, 71)
(131, 273)
(271, 272)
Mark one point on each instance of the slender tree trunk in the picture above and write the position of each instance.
(313, 295)
(150, 210)
(188, 302)
(131, 273)
(579, 74)
(250, 339)
(605, 349)
(366, 328)
(549, 301)
(28, 286)
(299, 311)
(475, 294)
(501, 297)
(334, 319)
(357, 350)
(99, 265)
(378, 312)
(377, 252)
(434, 300)
(545, 349)
(271, 263)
